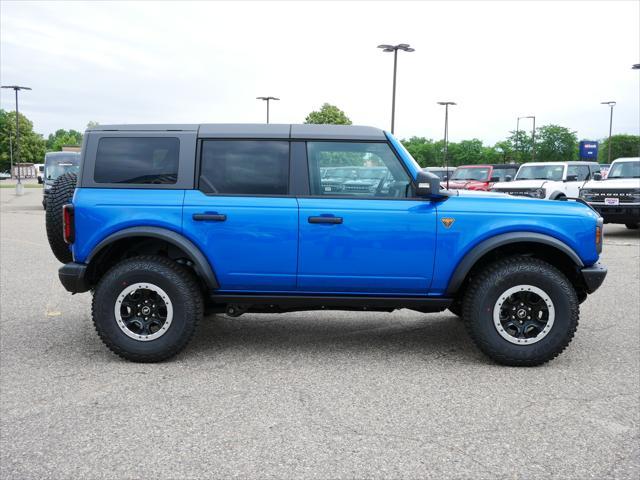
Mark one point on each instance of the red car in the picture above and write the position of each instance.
(481, 177)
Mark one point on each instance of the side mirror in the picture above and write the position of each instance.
(572, 178)
(508, 178)
(494, 179)
(597, 176)
(427, 184)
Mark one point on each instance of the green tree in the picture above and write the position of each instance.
(423, 150)
(55, 141)
(328, 114)
(520, 145)
(32, 145)
(621, 146)
(92, 124)
(555, 144)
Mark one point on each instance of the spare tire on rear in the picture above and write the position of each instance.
(60, 194)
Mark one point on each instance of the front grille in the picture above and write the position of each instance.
(517, 191)
(623, 196)
(357, 188)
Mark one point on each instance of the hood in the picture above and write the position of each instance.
(532, 184)
(613, 183)
(462, 184)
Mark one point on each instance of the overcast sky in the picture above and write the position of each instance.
(163, 62)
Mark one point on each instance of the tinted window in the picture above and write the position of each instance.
(581, 171)
(355, 169)
(245, 167)
(501, 173)
(139, 160)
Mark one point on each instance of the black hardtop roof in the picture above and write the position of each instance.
(257, 130)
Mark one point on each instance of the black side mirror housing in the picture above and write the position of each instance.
(597, 176)
(427, 184)
(508, 178)
(494, 179)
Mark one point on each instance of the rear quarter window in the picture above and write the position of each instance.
(137, 160)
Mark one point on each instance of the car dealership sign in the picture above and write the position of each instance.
(588, 150)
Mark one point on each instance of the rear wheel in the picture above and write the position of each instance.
(521, 311)
(60, 194)
(145, 309)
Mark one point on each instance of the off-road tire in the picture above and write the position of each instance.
(60, 194)
(456, 307)
(632, 226)
(483, 293)
(182, 289)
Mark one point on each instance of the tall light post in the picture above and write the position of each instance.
(446, 136)
(16, 88)
(611, 104)
(267, 99)
(533, 136)
(394, 48)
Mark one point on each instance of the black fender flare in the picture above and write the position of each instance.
(555, 195)
(201, 264)
(477, 252)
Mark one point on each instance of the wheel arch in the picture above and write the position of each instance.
(557, 194)
(118, 244)
(538, 245)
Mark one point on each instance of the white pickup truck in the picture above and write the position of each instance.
(550, 180)
(617, 199)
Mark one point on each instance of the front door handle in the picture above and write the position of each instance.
(332, 220)
(209, 217)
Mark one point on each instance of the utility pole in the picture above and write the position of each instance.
(611, 104)
(16, 88)
(446, 136)
(267, 99)
(394, 48)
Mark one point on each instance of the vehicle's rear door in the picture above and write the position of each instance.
(581, 175)
(362, 234)
(242, 216)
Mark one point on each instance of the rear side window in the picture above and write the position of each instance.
(245, 167)
(138, 160)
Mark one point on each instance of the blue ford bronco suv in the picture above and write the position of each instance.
(165, 222)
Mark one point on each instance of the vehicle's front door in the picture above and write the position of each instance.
(242, 216)
(359, 231)
(577, 175)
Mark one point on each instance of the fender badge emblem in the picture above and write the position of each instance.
(447, 222)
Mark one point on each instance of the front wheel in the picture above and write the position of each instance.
(521, 311)
(145, 309)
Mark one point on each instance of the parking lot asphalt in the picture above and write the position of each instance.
(308, 395)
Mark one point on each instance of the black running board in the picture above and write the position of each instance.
(287, 303)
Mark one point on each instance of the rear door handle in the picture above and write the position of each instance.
(332, 220)
(209, 217)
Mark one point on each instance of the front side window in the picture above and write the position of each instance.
(357, 169)
(245, 167)
(579, 171)
(137, 160)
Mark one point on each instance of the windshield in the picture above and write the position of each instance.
(540, 172)
(624, 170)
(471, 173)
(54, 171)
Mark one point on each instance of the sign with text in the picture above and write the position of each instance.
(588, 150)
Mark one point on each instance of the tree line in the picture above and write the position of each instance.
(552, 143)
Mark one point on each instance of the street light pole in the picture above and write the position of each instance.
(611, 104)
(267, 99)
(446, 136)
(533, 136)
(394, 48)
(16, 88)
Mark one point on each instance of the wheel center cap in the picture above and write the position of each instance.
(146, 310)
(522, 313)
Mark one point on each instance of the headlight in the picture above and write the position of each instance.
(539, 193)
